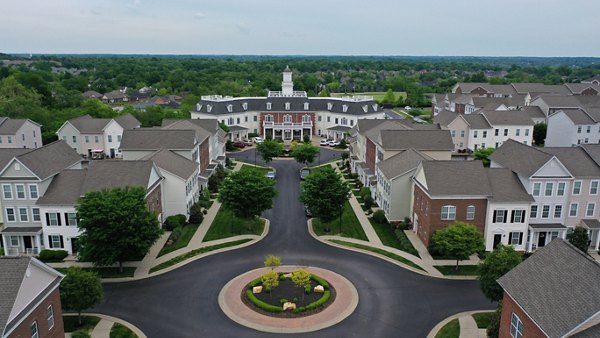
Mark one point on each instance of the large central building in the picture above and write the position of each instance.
(287, 114)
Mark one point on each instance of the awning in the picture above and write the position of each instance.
(339, 128)
(22, 230)
(591, 224)
(547, 226)
(97, 150)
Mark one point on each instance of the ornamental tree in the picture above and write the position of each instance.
(247, 193)
(268, 149)
(496, 264)
(270, 280)
(459, 240)
(483, 154)
(324, 193)
(272, 261)
(80, 290)
(579, 238)
(305, 153)
(301, 278)
(116, 226)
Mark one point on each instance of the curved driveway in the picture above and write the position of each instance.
(394, 302)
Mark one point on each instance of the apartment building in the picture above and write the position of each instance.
(20, 133)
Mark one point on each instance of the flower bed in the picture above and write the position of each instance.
(271, 303)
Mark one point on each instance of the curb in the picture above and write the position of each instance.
(441, 324)
(130, 326)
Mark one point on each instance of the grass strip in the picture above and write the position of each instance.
(483, 319)
(463, 270)
(186, 235)
(450, 330)
(379, 251)
(107, 272)
(121, 331)
(350, 225)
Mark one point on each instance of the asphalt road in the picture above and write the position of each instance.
(394, 302)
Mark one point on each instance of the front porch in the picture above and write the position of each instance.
(593, 227)
(542, 234)
(288, 133)
(237, 133)
(22, 241)
(337, 132)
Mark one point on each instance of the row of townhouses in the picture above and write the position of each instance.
(41, 187)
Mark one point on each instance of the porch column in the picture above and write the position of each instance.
(530, 244)
(5, 244)
(37, 242)
(597, 240)
(302, 134)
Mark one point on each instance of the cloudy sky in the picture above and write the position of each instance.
(309, 27)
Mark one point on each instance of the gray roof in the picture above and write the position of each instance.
(467, 87)
(401, 163)
(590, 223)
(68, 186)
(592, 332)
(507, 117)
(477, 121)
(444, 117)
(374, 128)
(593, 78)
(506, 186)
(539, 88)
(416, 139)
(22, 230)
(577, 161)
(127, 121)
(560, 101)
(92, 94)
(534, 112)
(339, 128)
(115, 94)
(577, 116)
(156, 139)
(49, 159)
(593, 150)
(456, 178)
(10, 126)
(203, 129)
(13, 271)
(173, 163)
(520, 158)
(577, 88)
(538, 285)
(88, 125)
(7, 154)
(237, 128)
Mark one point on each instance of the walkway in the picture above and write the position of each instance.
(106, 323)
(468, 325)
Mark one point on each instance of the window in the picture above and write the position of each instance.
(71, 218)
(518, 216)
(50, 317)
(245, 118)
(536, 188)
(576, 187)
(254, 118)
(238, 120)
(591, 208)
(14, 241)
(319, 118)
(557, 211)
(516, 326)
(20, 189)
(306, 118)
(336, 120)
(305, 105)
(119, 137)
(55, 241)
(329, 106)
(23, 215)
(470, 212)
(549, 188)
(287, 106)
(52, 219)
(545, 211)
(505, 132)
(268, 105)
(245, 105)
(500, 216)
(34, 330)
(578, 129)
(229, 108)
(35, 214)
(560, 190)
(515, 238)
(484, 133)
(533, 211)
(109, 138)
(452, 133)
(497, 132)
(448, 213)
(10, 215)
(588, 129)
(328, 118)
(269, 118)
(9, 139)
(475, 134)
(518, 132)
(7, 190)
(287, 118)
(594, 188)
(526, 132)
(344, 121)
(87, 139)
(33, 191)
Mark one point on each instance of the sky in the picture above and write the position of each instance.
(303, 27)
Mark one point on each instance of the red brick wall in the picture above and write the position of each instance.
(154, 201)
(589, 92)
(370, 154)
(479, 91)
(39, 315)
(459, 108)
(530, 330)
(429, 213)
(204, 154)
(296, 118)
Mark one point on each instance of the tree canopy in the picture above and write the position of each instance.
(539, 133)
(579, 238)
(268, 149)
(116, 226)
(459, 240)
(247, 193)
(483, 155)
(324, 193)
(80, 290)
(305, 153)
(496, 264)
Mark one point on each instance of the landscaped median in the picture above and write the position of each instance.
(378, 251)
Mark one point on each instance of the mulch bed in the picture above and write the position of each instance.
(288, 290)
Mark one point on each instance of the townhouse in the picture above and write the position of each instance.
(95, 137)
(25, 176)
(287, 114)
(20, 133)
(570, 127)
(58, 205)
(552, 294)
(30, 299)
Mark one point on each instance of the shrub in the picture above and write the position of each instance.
(306, 139)
(364, 192)
(283, 301)
(262, 305)
(251, 135)
(176, 233)
(318, 303)
(254, 283)
(52, 255)
(229, 146)
(174, 221)
(320, 281)
(307, 288)
(80, 334)
(379, 217)
(368, 202)
(196, 214)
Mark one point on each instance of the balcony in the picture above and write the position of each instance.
(268, 124)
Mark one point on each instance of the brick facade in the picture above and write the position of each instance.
(530, 329)
(39, 315)
(296, 119)
(370, 154)
(428, 213)
(154, 201)
(204, 154)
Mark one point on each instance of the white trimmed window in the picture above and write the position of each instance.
(533, 212)
(268, 118)
(56, 241)
(470, 212)
(52, 219)
(35, 214)
(7, 190)
(50, 317)
(537, 186)
(87, 139)
(10, 215)
(560, 189)
(500, 216)
(448, 213)
(20, 189)
(109, 138)
(268, 105)
(287, 106)
(518, 216)
(96, 139)
(287, 118)
(14, 241)
(545, 211)
(23, 215)
(576, 187)
(590, 210)
(516, 326)
(549, 189)
(33, 191)
(305, 105)
(558, 211)
(71, 218)
(594, 187)
(306, 118)
(34, 330)
(573, 209)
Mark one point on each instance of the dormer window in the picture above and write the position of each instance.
(208, 108)
(198, 106)
(245, 105)
(329, 105)
(229, 108)
(345, 108)
(268, 105)
(365, 108)
(305, 105)
(287, 106)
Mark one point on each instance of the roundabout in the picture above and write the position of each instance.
(344, 304)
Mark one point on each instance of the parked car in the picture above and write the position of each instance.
(304, 172)
(307, 211)
(239, 144)
(270, 174)
(324, 142)
(333, 143)
(407, 108)
(257, 140)
(248, 142)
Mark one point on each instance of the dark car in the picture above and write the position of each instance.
(307, 211)
(304, 172)
(239, 144)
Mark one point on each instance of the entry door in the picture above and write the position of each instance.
(287, 135)
(497, 240)
(541, 239)
(74, 246)
(112, 152)
(27, 242)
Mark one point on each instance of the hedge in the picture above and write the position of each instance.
(320, 281)
(52, 255)
(262, 305)
(316, 304)
(174, 221)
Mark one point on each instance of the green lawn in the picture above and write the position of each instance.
(463, 270)
(187, 233)
(121, 331)
(226, 225)
(107, 272)
(450, 330)
(483, 319)
(350, 225)
(87, 323)
(394, 238)
(378, 96)
(196, 252)
(379, 251)
(263, 170)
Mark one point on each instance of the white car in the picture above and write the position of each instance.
(324, 142)
(333, 143)
(407, 108)
(257, 140)
(270, 174)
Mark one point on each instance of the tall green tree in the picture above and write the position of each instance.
(324, 193)
(80, 290)
(305, 153)
(459, 240)
(116, 226)
(496, 264)
(247, 193)
(389, 98)
(539, 133)
(483, 155)
(579, 238)
(268, 149)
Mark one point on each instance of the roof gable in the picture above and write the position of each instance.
(552, 168)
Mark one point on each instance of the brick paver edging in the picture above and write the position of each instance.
(344, 304)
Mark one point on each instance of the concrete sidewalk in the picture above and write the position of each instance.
(468, 325)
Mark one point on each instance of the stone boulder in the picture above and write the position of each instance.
(319, 289)
(289, 306)
(257, 289)
(287, 275)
